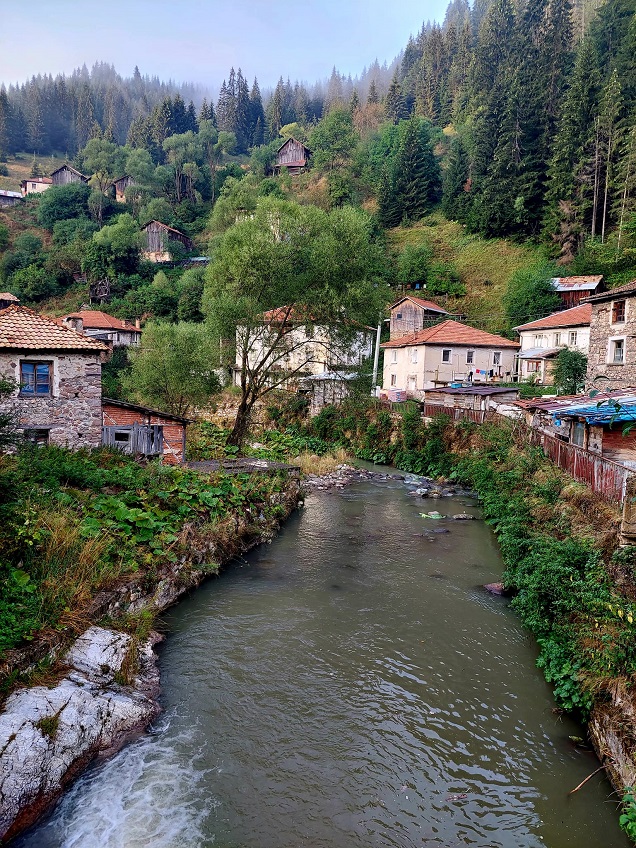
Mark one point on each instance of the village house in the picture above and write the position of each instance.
(10, 198)
(35, 185)
(57, 372)
(137, 429)
(157, 238)
(612, 352)
(411, 314)
(446, 353)
(67, 174)
(120, 185)
(543, 340)
(304, 348)
(104, 327)
(293, 156)
(8, 299)
(572, 290)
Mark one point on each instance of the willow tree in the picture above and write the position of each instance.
(283, 266)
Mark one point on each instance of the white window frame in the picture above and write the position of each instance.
(573, 337)
(447, 360)
(412, 378)
(614, 302)
(496, 358)
(611, 350)
(393, 380)
(557, 339)
(414, 356)
(393, 355)
(470, 357)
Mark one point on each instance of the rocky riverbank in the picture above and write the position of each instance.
(102, 689)
(418, 486)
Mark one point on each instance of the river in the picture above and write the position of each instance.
(349, 685)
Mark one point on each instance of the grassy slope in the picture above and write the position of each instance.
(485, 266)
(19, 167)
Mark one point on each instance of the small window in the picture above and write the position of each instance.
(617, 351)
(394, 355)
(572, 338)
(539, 340)
(399, 315)
(496, 358)
(557, 339)
(446, 355)
(577, 434)
(35, 379)
(532, 366)
(37, 437)
(412, 383)
(414, 356)
(122, 436)
(618, 312)
(470, 357)
(393, 380)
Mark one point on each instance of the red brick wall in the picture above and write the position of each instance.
(173, 431)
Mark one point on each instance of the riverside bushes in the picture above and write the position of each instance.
(72, 523)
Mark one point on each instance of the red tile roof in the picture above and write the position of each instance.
(425, 304)
(46, 180)
(578, 316)
(93, 319)
(452, 333)
(23, 329)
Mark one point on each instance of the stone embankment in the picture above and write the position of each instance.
(105, 685)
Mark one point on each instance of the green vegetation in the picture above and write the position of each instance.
(569, 372)
(74, 523)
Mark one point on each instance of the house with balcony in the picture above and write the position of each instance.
(542, 341)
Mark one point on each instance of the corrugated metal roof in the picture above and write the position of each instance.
(4, 193)
(540, 353)
(603, 408)
(472, 390)
(577, 283)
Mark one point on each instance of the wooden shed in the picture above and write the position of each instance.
(138, 429)
(120, 187)
(157, 238)
(10, 198)
(67, 174)
(292, 155)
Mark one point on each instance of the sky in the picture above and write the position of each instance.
(199, 40)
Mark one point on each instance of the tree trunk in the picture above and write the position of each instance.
(241, 423)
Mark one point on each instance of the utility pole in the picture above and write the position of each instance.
(376, 359)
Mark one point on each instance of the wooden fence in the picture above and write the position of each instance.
(603, 476)
(455, 413)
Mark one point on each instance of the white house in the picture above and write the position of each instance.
(445, 353)
(106, 328)
(291, 343)
(542, 340)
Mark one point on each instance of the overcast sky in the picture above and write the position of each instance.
(198, 41)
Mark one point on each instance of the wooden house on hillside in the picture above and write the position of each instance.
(7, 299)
(10, 198)
(156, 241)
(120, 187)
(67, 174)
(412, 314)
(571, 290)
(293, 156)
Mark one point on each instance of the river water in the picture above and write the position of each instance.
(349, 685)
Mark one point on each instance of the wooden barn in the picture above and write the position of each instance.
(572, 290)
(293, 156)
(67, 174)
(157, 238)
(120, 187)
(412, 314)
(139, 430)
(10, 198)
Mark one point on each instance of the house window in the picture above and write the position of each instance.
(496, 358)
(393, 380)
(539, 340)
(37, 437)
(617, 351)
(394, 355)
(532, 366)
(399, 315)
(572, 337)
(35, 379)
(557, 339)
(577, 434)
(470, 357)
(412, 383)
(618, 312)
(414, 356)
(446, 355)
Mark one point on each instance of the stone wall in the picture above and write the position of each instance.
(601, 331)
(73, 412)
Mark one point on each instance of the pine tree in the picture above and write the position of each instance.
(275, 110)
(456, 183)
(394, 104)
(354, 102)
(84, 116)
(417, 175)
(389, 207)
(257, 116)
(204, 114)
(243, 127)
(191, 122)
(373, 96)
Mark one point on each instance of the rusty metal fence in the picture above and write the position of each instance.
(455, 413)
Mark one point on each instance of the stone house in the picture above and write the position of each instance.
(446, 353)
(106, 328)
(542, 340)
(58, 374)
(612, 353)
(35, 185)
(304, 348)
(411, 314)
